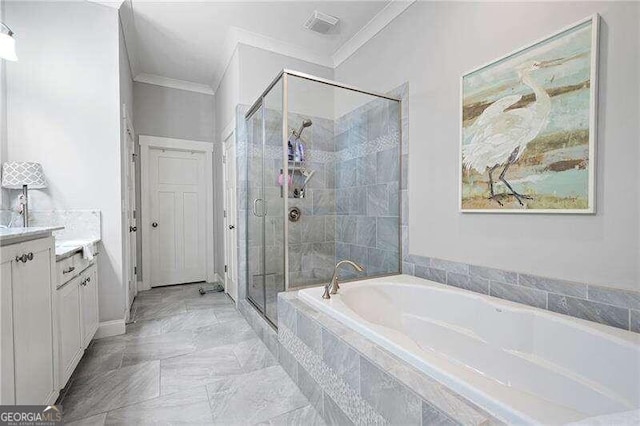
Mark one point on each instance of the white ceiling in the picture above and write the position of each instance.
(192, 42)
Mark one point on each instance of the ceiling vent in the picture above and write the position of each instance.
(321, 22)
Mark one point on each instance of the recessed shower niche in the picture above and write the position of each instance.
(331, 152)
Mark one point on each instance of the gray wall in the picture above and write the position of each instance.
(431, 45)
(173, 113)
(63, 111)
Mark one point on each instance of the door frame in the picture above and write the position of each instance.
(146, 144)
(232, 210)
(129, 256)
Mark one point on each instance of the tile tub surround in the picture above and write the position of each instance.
(610, 306)
(186, 359)
(350, 380)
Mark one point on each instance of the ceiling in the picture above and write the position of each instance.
(193, 41)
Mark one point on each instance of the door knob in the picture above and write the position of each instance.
(154, 224)
(133, 228)
(232, 227)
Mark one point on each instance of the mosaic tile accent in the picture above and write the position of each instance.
(391, 388)
(355, 408)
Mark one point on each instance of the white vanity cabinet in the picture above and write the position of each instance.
(69, 324)
(77, 307)
(28, 350)
(89, 303)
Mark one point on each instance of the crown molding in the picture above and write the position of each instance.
(237, 36)
(391, 11)
(114, 4)
(172, 83)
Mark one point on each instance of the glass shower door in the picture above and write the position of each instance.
(265, 213)
(255, 209)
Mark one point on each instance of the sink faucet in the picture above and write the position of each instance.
(333, 286)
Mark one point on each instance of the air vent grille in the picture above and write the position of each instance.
(321, 22)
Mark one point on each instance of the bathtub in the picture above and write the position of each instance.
(521, 364)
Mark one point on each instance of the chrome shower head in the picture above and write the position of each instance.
(305, 123)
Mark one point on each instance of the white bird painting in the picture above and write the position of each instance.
(531, 112)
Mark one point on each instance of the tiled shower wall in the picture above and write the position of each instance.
(351, 205)
(312, 239)
(367, 145)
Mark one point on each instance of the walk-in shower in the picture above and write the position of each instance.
(322, 175)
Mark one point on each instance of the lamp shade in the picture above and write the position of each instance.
(16, 174)
(8, 47)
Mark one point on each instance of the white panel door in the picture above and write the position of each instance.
(177, 211)
(230, 278)
(130, 203)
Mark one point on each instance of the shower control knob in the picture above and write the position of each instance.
(294, 214)
(154, 224)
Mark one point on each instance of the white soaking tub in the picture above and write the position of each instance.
(522, 364)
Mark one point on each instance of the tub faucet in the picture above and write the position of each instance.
(333, 286)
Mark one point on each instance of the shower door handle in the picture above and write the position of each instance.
(255, 207)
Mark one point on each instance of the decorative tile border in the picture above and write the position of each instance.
(360, 382)
(614, 307)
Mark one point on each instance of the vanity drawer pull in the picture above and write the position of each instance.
(69, 269)
(24, 258)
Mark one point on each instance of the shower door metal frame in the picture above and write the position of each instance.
(284, 74)
(254, 212)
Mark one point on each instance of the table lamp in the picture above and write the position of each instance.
(25, 176)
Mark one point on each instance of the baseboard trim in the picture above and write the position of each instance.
(110, 328)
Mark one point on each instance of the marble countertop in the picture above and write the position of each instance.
(65, 249)
(17, 235)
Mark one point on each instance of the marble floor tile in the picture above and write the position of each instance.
(198, 368)
(254, 397)
(160, 310)
(99, 359)
(190, 406)
(114, 389)
(306, 415)
(253, 355)
(207, 301)
(158, 347)
(179, 344)
(224, 333)
(143, 328)
(97, 420)
(226, 313)
(190, 320)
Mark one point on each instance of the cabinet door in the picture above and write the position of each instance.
(33, 325)
(7, 396)
(70, 336)
(89, 303)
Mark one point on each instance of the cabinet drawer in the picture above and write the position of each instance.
(66, 270)
(71, 267)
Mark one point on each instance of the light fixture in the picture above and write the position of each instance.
(23, 175)
(7, 44)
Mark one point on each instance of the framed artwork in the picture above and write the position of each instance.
(528, 127)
